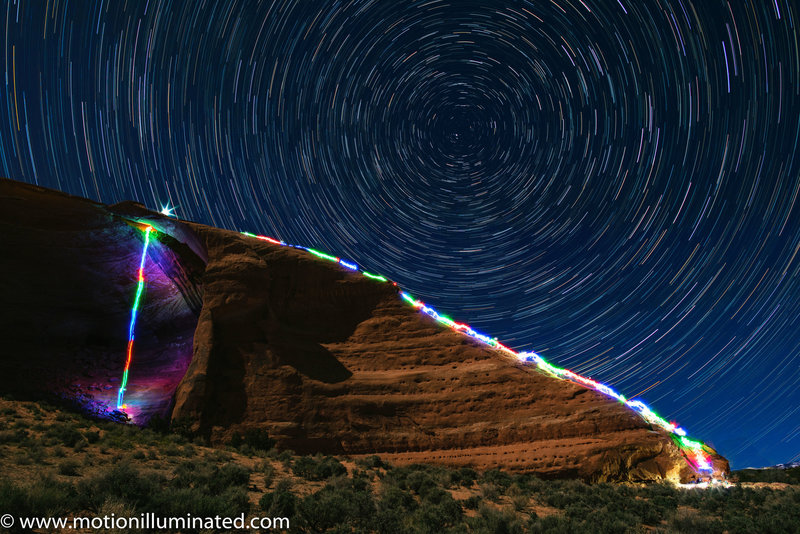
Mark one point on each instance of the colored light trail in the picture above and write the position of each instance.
(697, 454)
(134, 314)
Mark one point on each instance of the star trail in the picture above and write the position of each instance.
(611, 184)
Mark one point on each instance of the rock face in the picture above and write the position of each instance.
(69, 270)
(323, 358)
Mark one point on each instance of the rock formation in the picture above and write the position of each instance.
(238, 333)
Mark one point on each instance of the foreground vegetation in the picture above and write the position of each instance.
(59, 464)
(782, 476)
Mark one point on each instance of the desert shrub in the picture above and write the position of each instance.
(519, 500)
(318, 468)
(747, 509)
(360, 480)
(642, 510)
(555, 524)
(304, 467)
(118, 509)
(793, 475)
(418, 478)
(773, 521)
(200, 502)
(171, 450)
(432, 518)
(421, 483)
(206, 489)
(394, 498)
(663, 496)
(492, 521)
(148, 436)
(498, 478)
(92, 436)
(13, 436)
(393, 509)
(117, 439)
(329, 467)
(605, 507)
(472, 503)
(279, 503)
(177, 439)
(22, 459)
(255, 438)
(690, 520)
(12, 497)
(37, 453)
(787, 476)
(490, 492)
(43, 498)
(268, 470)
(389, 521)
(434, 495)
(48, 496)
(337, 505)
(123, 483)
(64, 433)
(464, 476)
(209, 477)
(229, 475)
(371, 462)
(68, 468)
(560, 493)
(286, 458)
(218, 456)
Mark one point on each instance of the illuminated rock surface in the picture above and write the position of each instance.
(323, 358)
(68, 279)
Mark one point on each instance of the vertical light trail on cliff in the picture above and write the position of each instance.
(697, 454)
(134, 314)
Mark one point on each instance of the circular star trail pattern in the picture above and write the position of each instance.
(613, 184)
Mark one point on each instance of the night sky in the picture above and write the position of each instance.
(611, 183)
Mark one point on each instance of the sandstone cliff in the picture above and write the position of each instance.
(238, 333)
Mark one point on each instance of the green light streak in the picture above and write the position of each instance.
(323, 255)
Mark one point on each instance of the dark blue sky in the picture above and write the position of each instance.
(613, 184)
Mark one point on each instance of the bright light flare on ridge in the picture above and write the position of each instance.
(167, 210)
